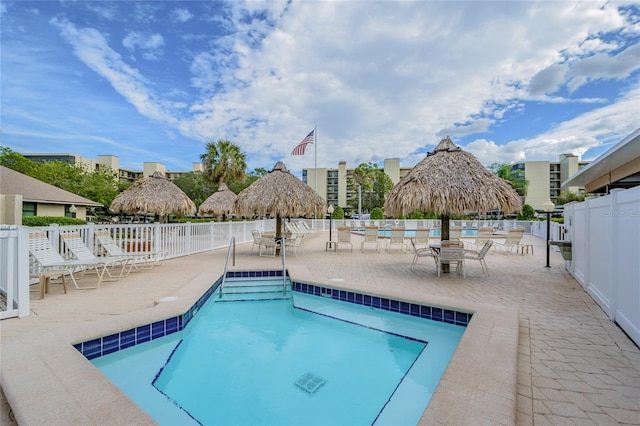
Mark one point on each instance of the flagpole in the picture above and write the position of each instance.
(315, 154)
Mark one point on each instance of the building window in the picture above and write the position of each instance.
(29, 209)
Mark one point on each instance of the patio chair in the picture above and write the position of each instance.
(451, 255)
(422, 237)
(146, 259)
(294, 242)
(43, 251)
(257, 239)
(269, 245)
(455, 232)
(513, 238)
(396, 238)
(484, 234)
(370, 236)
(74, 242)
(480, 255)
(421, 252)
(344, 237)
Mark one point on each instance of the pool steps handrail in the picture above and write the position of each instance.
(232, 248)
(283, 251)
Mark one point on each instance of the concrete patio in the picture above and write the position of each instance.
(539, 350)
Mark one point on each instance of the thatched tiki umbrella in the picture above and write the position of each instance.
(153, 194)
(220, 203)
(281, 194)
(451, 181)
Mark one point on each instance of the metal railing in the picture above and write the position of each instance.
(283, 252)
(232, 248)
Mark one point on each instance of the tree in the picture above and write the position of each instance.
(237, 186)
(514, 177)
(362, 181)
(528, 213)
(382, 185)
(223, 161)
(567, 197)
(17, 162)
(338, 213)
(196, 186)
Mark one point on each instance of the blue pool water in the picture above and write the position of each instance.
(310, 360)
(435, 233)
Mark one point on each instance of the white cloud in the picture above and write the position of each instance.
(150, 44)
(91, 48)
(181, 15)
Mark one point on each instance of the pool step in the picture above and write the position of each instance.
(241, 290)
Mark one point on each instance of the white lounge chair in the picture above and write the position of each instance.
(142, 259)
(513, 238)
(74, 242)
(43, 251)
(294, 242)
(344, 237)
(396, 238)
(370, 237)
(422, 237)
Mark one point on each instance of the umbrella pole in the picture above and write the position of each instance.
(444, 235)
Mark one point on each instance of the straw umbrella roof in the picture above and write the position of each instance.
(451, 181)
(153, 194)
(219, 203)
(281, 194)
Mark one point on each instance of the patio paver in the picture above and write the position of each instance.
(574, 366)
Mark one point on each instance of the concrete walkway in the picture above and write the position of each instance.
(571, 365)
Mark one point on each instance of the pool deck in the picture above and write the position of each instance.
(538, 350)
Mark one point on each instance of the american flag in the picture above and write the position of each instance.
(299, 149)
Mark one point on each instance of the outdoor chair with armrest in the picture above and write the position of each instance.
(269, 244)
(370, 237)
(421, 252)
(480, 255)
(344, 237)
(451, 255)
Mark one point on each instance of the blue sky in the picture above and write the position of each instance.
(154, 81)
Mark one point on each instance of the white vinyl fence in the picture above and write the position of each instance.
(605, 236)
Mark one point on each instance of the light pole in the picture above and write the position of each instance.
(548, 207)
(73, 210)
(330, 211)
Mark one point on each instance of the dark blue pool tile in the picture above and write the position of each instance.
(359, 298)
(143, 334)
(425, 311)
(384, 304)
(343, 295)
(375, 302)
(367, 300)
(394, 306)
(92, 348)
(436, 314)
(127, 338)
(180, 322)
(335, 294)
(157, 329)
(171, 325)
(110, 343)
(317, 290)
(449, 316)
(414, 310)
(351, 297)
(326, 290)
(78, 347)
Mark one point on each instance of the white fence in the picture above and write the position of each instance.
(172, 240)
(605, 236)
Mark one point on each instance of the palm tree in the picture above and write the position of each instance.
(223, 162)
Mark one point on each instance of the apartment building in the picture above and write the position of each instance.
(545, 178)
(334, 185)
(113, 162)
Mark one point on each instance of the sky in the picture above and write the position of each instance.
(155, 81)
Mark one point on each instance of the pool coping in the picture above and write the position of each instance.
(472, 389)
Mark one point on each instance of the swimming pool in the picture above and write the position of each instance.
(433, 233)
(312, 360)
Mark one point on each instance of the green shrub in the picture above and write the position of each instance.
(338, 213)
(48, 220)
(376, 214)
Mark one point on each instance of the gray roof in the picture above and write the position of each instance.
(34, 190)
